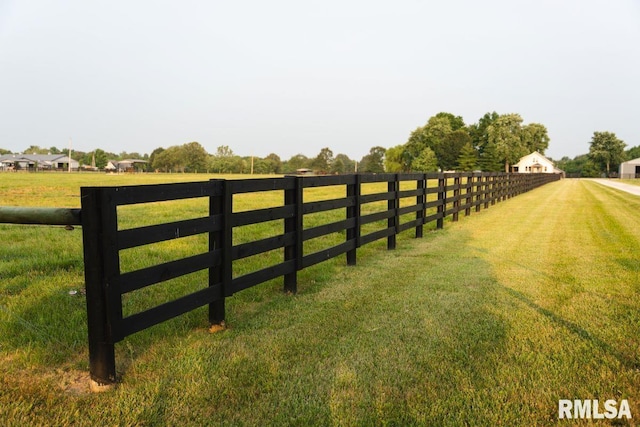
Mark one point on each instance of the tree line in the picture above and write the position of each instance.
(606, 152)
(444, 142)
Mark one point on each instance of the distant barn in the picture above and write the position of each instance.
(630, 169)
(12, 162)
(128, 165)
(304, 171)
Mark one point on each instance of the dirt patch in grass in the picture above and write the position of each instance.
(73, 382)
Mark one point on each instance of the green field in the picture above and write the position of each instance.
(488, 322)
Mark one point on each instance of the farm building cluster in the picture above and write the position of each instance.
(62, 162)
(33, 162)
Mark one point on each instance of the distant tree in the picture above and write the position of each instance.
(606, 150)
(415, 144)
(124, 155)
(77, 155)
(590, 169)
(342, 164)
(426, 161)
(374, 161)
(633, 153)
(4, 151)
(506, 133)
(456, 122)
(274, 162)
(322, 162)
(223, 160)
(535, 137)
(240, 165)
(195, 157)
(435, 130)
(574, 167)
(101, 158)
(468, 159)
(260, 166)
(489, 160)
(170, 160)
(449, 148)
(430, 135)
(34, 149)
(478, 131)
(151, 165)
(55, 150)
(298, 161)
(393, 159)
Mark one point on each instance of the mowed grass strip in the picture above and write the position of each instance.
(488, 322)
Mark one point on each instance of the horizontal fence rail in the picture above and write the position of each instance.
(42, 216)
(372, 207)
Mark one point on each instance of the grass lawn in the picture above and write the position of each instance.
(488, 322)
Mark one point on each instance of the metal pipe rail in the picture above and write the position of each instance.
(40, 216)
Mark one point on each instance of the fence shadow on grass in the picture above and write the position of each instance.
(577, 330)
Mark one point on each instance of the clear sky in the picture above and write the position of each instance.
(292, 77)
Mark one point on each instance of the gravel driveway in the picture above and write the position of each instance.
(632, 189)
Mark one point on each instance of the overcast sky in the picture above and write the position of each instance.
(296, 76)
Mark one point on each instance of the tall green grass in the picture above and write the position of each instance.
(487, 322)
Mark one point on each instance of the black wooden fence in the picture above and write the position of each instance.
(412, 200)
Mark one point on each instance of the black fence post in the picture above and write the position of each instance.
(456, 197)
(102, 360)
(494, 188)
(227, 240)
(421, 199)
(505, 185)
(293, 197)
(478, 190)
(354, 190)
(486, 196)
(392, 205)
(216, 208)
(469, 198)
(442, 197)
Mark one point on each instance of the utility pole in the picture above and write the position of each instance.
(69, 168)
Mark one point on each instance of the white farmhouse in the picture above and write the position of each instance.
(630, 169)
(535, 163)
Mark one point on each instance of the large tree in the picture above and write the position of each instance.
(298, 161)
(506, 133)
(222, 161)
(633, 153)
(342, 164)
(195, 157)
(172, 159)
(489, 160)
(478, 131)
(455, 122)
(322, 162)
(468, 159)
(449, 148)
(152, 158)
(34, 149)
(535, 137)
(274, 163)
(426, 161)
(374, 161)
(393, 159)
(606, 149)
